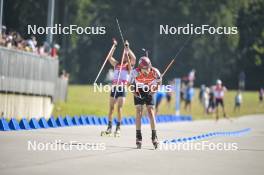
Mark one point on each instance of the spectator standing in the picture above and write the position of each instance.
(191, 76)
(238, 101)
(211, 105)
(189, 94)
(182, 91)
(205, 99)
(261, 94)
(32, 43)
(54, 51)
(201, 93)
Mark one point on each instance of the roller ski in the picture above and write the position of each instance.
(155, 143)
(138, 140)
(108, 131)
(139, 143)
(154, 139)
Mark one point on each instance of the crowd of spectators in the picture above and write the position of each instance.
(12, 39)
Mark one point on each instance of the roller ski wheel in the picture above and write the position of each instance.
(139, 144)
(117, 133)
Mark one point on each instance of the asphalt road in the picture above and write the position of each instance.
(92, 154)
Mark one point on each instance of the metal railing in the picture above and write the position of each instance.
(31, 74)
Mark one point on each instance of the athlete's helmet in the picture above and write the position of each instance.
(219, 82)
(144, 63)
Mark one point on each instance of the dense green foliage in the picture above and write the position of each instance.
(213, 56)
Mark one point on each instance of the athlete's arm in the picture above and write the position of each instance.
(157, 82)
(110, 57)
(131, 56)
(126, 53)
(132, 83)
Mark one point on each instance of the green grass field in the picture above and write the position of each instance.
(83, 101)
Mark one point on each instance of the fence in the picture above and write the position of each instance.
(29, 74)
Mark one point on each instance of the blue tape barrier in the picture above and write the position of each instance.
(52, 122)
(60, 122)
(33, 123)
(89, 120)
(95, 120)
(132, 120)
(208, 135)
(43, 123)
(75, 120)
(101, 121)
(115, 121)
(68, 121)
(23, 124)
(4, 125)
(105, 120)
(82, 120)
(125, 121)
(13, 124)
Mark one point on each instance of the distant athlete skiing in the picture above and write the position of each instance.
(119, 83)
(219, 91)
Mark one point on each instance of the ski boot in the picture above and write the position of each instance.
(108, 132)
(138, 139)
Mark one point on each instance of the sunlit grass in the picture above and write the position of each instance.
(83, 101)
